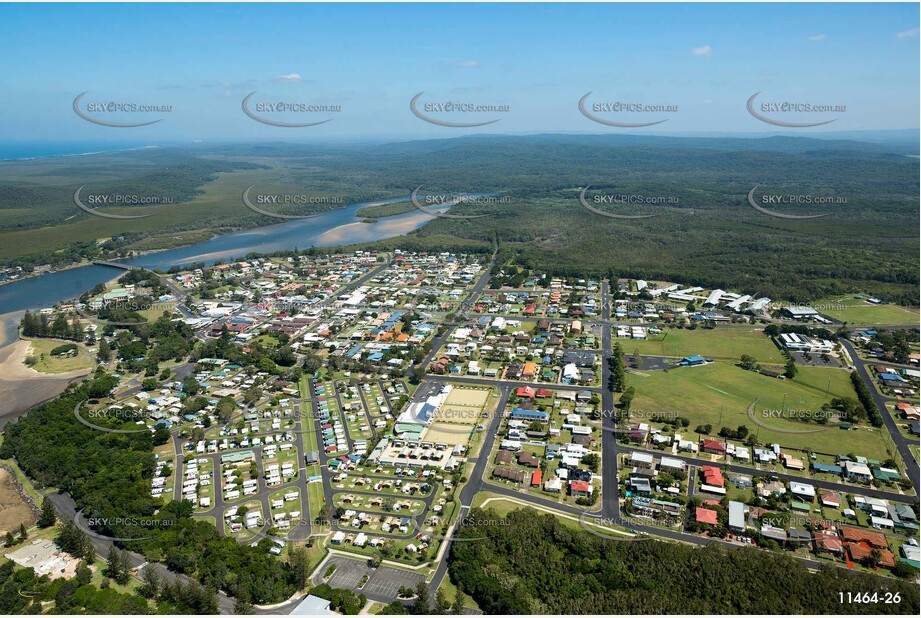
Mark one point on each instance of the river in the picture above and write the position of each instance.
(337, 227)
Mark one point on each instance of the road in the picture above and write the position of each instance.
(609, 512)
(901, 442)
(474, 483)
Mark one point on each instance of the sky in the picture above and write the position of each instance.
(370, 60)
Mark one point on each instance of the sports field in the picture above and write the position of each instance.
(719, 343)
(860, 312)
(468, 397)
(455, 420)
(719, 394)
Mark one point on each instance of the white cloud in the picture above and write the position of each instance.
(701, 51)
(468, 64)
(818, 37)
(907, 33)
(290, 77)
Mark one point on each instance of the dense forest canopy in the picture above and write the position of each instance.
(108, 475)
(533, 564)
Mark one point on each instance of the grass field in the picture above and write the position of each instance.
(315, 498)
(719, 394)
(721, 343)
(41, 350)
(860, 312)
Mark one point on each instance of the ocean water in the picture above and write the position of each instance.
(19, 150)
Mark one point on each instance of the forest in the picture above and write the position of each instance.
(703, 232)
(534, 564)
(108, 476)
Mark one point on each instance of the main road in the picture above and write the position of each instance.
(901, 442)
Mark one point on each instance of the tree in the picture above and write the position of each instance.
(421, 605)
(626, 400)
(160, 436)
(190, 386)
(75, 542)
(151, 582)
(441, 602)
(591, 460)
(299, 560)
(790, 369)
(242, 604)
(118, 567)
(83, 574)
(103, 351)
(747, 362)
(457, 608)
(48, 516)
(394, 609)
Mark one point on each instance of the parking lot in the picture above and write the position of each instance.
(815, 360)
(383, 583)
(649, 363)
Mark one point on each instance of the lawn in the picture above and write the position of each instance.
(155, 311)
(719, 394)
(41, 350)
(860, 312)
(721, 343)
(315, 499)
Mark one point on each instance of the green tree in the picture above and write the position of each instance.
(48, 516)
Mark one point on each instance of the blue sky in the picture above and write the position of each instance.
(369, 59)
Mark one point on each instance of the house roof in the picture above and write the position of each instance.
(859, 535)
(706, 516)
(861, 551)
(712, 475)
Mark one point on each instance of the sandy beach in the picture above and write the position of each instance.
(357, 232)
(21, 387)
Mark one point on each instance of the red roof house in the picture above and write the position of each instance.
(706, 516)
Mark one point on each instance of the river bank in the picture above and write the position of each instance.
(21, 387)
